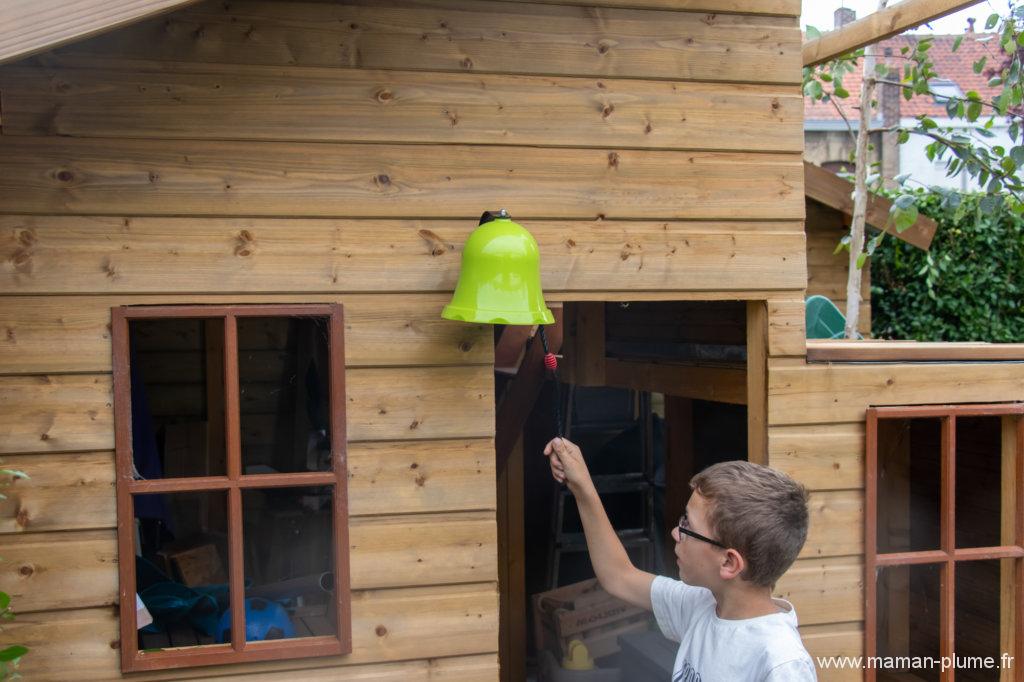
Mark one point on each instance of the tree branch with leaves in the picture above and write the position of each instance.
(964, 143)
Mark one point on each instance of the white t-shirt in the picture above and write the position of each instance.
(762, 649)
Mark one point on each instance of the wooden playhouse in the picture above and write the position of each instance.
(237, 221)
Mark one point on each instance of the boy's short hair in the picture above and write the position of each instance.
(759, 512)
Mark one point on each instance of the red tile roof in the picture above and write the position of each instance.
(954, 66)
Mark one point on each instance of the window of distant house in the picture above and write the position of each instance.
(944, 90)
(944, 538)
(231, 484)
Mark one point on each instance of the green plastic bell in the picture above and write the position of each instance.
(499, 282)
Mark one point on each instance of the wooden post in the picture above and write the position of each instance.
(679, 457)
(589, 352)
(511, 567)
(757, 382)
(1008, 536)
(878, 26)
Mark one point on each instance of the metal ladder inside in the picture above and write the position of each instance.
(637, 538)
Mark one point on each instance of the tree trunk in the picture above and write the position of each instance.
(860, 192)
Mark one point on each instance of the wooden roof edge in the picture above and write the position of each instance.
(878, 26)
(874, 350)
(833, 191)
(31, 26)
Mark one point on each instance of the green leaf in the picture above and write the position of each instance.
(905, 218)
(928, 124)
(996, 80)
(980, 64)
(991, 22)
(5, 600)
(904, 201)
(861, 259)
(902, 137)
(13, 653)
(956, 43)
(901, 178)
(813, 90)
(973, 111)
(841, 92)
(973, 95)
(1017, 154)
(811, 32)
(843, 245)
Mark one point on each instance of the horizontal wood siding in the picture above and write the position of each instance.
(72, 254)
(387, 625)
(462, 35)
(840, 393)
(157, 100)
(307, 152)
(162, 177)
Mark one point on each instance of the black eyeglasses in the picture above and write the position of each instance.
(684, 529)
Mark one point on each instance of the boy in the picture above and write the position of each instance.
(743, 527)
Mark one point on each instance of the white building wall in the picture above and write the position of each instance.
(913, 159)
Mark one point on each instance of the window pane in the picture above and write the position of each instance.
(909, 484)
(284, 394)
(978, 617)
(979, 483)
(177, 386)
(908, 608)
(181, 568)
(289, 562)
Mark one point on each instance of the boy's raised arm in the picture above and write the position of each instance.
(616, 573)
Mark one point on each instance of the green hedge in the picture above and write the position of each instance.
(967, 287)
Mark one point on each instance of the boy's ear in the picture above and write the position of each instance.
(732, 565)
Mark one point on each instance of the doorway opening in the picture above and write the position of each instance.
(652, 392)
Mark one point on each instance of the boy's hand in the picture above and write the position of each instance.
(567, 465)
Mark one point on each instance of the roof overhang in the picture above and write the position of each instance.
(833, 191)
(31, 26)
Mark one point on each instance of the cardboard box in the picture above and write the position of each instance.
(584, 611)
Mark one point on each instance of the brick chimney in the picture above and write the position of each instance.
(843, 16)
(970, 24)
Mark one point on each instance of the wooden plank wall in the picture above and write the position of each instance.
(827, 270)
(255, 151)
(816, 415)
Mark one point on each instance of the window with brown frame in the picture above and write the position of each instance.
(232, 508)
(944, 543)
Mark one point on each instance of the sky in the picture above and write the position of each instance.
(818, 13)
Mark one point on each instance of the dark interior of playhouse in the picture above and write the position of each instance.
(178, 404)
(666, 400)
